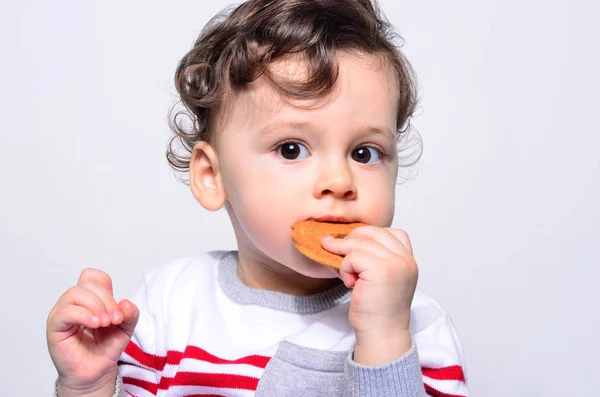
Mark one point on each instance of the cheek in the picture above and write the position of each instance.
(385, 215)
(267, 225)
(264, 206)
(268, 186)
(378, 197)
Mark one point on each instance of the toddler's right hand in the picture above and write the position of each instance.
(86, 333)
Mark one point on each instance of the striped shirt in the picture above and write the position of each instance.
(202, 332)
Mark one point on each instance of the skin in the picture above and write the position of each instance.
(264, 192)
(86, 331)
(244, 170)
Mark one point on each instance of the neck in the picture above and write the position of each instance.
(276, 277)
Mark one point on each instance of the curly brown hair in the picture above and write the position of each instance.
(236, 47)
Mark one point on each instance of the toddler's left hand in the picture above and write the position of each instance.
(379, 265)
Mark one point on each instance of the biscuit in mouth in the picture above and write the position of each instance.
(307, 236)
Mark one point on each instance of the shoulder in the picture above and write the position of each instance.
(427, 316)
(181, 268)
(434, 333)
(424, 312)
(180, 274)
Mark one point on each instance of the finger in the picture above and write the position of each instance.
(385, 236)
(402, 235)
(345, 246)
(80, 296)
(101, 284)
(98, 276)
(131, 315)
(349, 279)
(113, 314)
(65, 317)
(354, 264)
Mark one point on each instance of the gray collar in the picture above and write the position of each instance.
(238, 292)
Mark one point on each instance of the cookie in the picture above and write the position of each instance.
(307, 236)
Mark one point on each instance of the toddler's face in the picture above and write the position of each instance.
(282, 163)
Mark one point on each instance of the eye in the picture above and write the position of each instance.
(292, 150)
(366, 155)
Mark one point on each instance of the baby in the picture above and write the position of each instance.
(297, 109)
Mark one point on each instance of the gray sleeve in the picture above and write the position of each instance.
(117, 387)
(401, 378)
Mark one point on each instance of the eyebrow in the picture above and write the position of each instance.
(273, 126)
(380, 130)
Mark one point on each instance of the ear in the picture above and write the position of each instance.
(205, 177)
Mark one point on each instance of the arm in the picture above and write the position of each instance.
(437, 369)
(399, 378)
(113, 388)
(442, 359)
(379, 266)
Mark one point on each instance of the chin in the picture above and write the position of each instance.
(295, 261)
(309, 268)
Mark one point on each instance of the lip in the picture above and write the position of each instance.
(331, 218)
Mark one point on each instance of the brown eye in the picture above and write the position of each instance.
(366, 155)
(292, 150)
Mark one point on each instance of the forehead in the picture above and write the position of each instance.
(366, 90)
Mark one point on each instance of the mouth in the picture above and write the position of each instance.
(331, 218)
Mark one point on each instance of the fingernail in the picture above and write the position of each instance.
(105, 318)
(328, 238)
(117, 315)
(96, 320)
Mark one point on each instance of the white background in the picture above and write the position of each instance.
(503, 213)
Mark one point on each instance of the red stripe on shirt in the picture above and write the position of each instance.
(201, 354)
(225, 381)
(146, 359)
(174, 357)
(454, 372)
(204, 395)
(437, 393)
(144, 384)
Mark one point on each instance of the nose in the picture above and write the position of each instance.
(335, 179)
